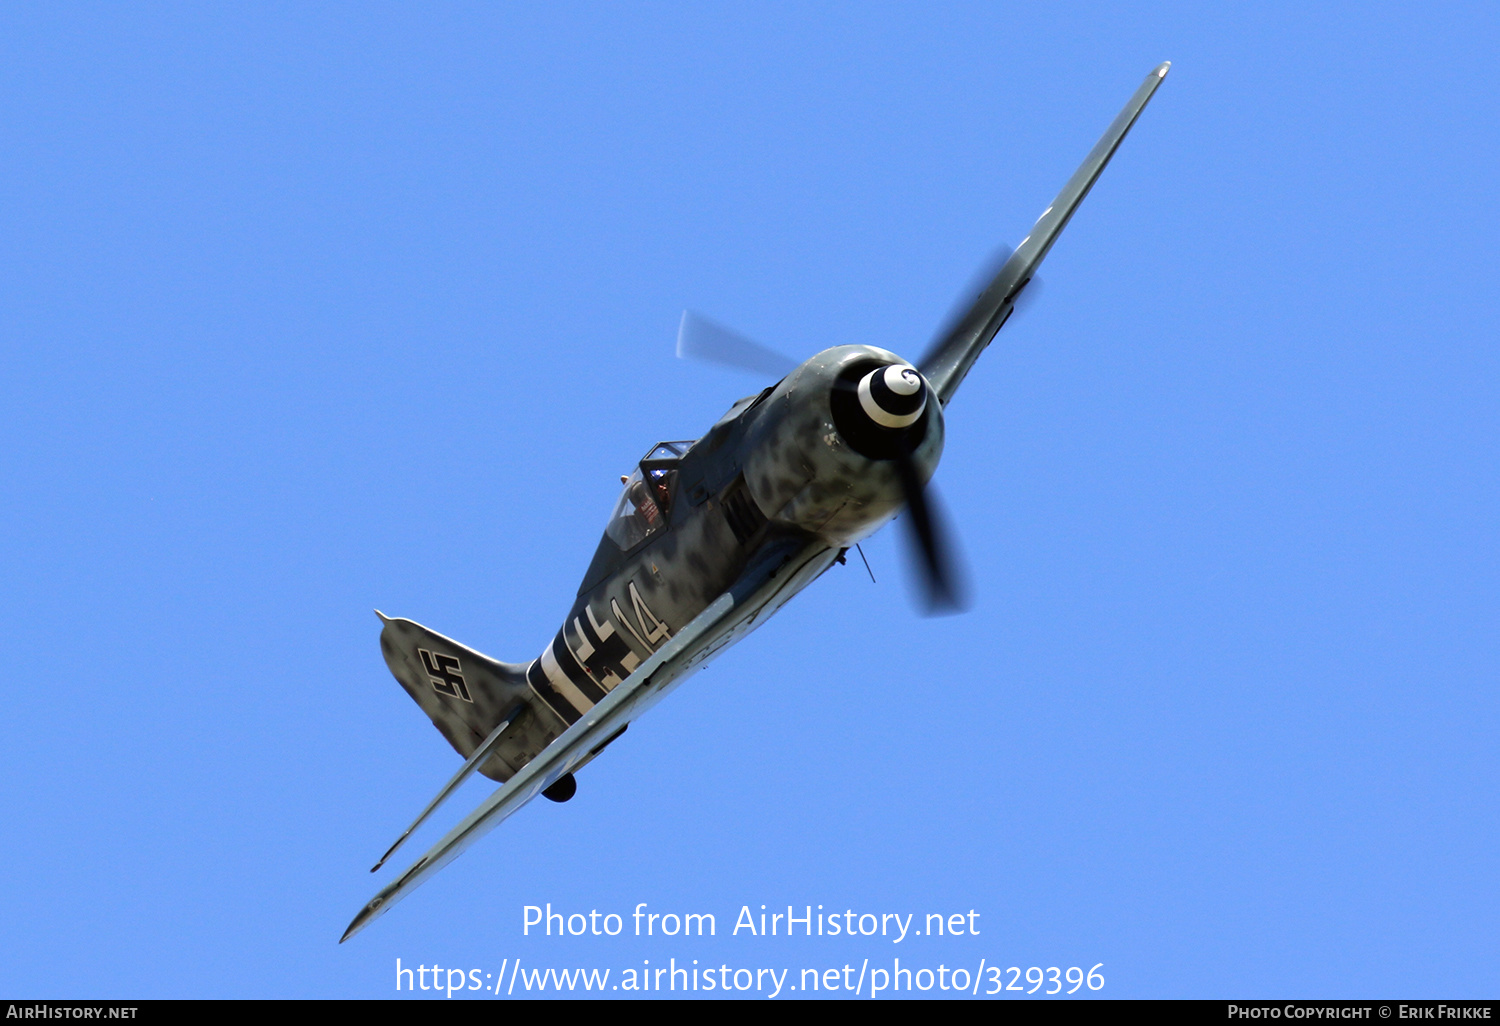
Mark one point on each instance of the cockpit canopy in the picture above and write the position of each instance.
(646, 501)
(671, 451)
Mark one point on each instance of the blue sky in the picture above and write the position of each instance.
(308, 310)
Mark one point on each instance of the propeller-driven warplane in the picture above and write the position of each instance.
(709, 538)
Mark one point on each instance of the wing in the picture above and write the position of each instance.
(946, 365)
(780, 570)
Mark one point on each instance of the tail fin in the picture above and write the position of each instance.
(467, 694)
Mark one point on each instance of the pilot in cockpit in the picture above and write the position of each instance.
(646, 499)
(644, 504)
(636, 513)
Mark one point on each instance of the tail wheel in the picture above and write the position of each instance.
(562, 789)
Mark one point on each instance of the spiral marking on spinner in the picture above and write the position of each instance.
(893, 396)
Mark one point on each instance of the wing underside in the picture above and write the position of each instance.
(780, 570)
(951, 356)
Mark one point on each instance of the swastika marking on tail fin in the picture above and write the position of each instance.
(444, 676)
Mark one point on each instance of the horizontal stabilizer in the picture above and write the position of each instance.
(480, 754)
(555, 762)
(770, 580)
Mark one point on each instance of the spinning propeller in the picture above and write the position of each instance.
(699, 338)
(881, 412)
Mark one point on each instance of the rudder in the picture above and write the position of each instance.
(466, 694)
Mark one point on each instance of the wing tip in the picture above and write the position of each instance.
(1162, 69)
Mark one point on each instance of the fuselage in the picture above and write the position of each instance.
(709, 539)
(792, 460)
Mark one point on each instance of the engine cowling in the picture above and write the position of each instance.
(823, 454)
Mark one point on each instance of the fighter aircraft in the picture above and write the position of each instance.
(709, 538)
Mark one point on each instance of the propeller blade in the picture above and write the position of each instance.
(941, 590)
(947, 363)
(972, 294)
(701, 339)
(1027, 297)
(967, 296)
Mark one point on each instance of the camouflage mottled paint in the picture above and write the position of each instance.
(783, 450)
(803, 473)
(764, 503)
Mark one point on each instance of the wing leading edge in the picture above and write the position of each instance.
(946, 365)
(779, 572)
